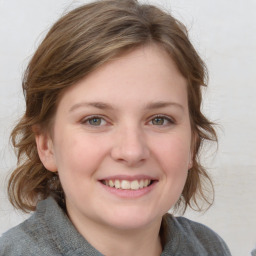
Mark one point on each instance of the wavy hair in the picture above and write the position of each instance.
(80, 42)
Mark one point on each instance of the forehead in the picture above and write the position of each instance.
(144, 74)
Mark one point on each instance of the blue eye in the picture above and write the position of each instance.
(161, 120)
(94, 121)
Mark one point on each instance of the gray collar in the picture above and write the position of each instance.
(60, 231)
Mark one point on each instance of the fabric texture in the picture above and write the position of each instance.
(49, 232)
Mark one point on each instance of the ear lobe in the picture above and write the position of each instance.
(190, 164)
(45, 151)
(194, 141)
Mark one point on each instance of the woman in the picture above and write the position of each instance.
(110, 138)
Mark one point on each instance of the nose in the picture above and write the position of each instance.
(130, 147)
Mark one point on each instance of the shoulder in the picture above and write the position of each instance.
(201, 232)
(47, 232)
(27, 238)
(17, 241)
(196, 238)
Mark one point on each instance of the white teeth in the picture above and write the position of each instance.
(141, 184)
(146, 183)
(125, 184)
(117, 184)
(135, 185)
(111, 184)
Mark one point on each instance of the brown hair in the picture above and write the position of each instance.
(77, 44)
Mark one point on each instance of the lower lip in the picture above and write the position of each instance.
(129, 193)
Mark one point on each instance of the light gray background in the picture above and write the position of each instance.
(224, 32)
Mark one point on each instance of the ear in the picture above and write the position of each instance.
(190, 164)
(45, 150)
(194, 141)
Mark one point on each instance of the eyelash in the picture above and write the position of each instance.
(165, 118)
(169, 120)
(89, 118)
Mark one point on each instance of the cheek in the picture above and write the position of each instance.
(78, 154)
(77, 161)
(174, 154)
(173, 158)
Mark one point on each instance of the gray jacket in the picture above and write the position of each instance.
(48, 232)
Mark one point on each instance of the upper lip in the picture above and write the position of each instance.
(129, 177)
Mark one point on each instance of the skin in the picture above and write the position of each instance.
(124, 138)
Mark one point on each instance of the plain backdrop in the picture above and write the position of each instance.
(224, 33)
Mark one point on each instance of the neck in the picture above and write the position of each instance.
(115, 242)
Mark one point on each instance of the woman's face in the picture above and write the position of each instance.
(122, 141)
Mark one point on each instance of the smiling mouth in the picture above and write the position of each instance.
(128, 185)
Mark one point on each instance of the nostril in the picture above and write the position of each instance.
(130, 154)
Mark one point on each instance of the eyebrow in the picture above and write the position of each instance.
(106, 106)
(99, 105)
(163, 104)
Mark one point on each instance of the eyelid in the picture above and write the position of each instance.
(84, 120)
(171, 120)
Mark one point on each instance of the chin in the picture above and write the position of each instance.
(129, 220)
